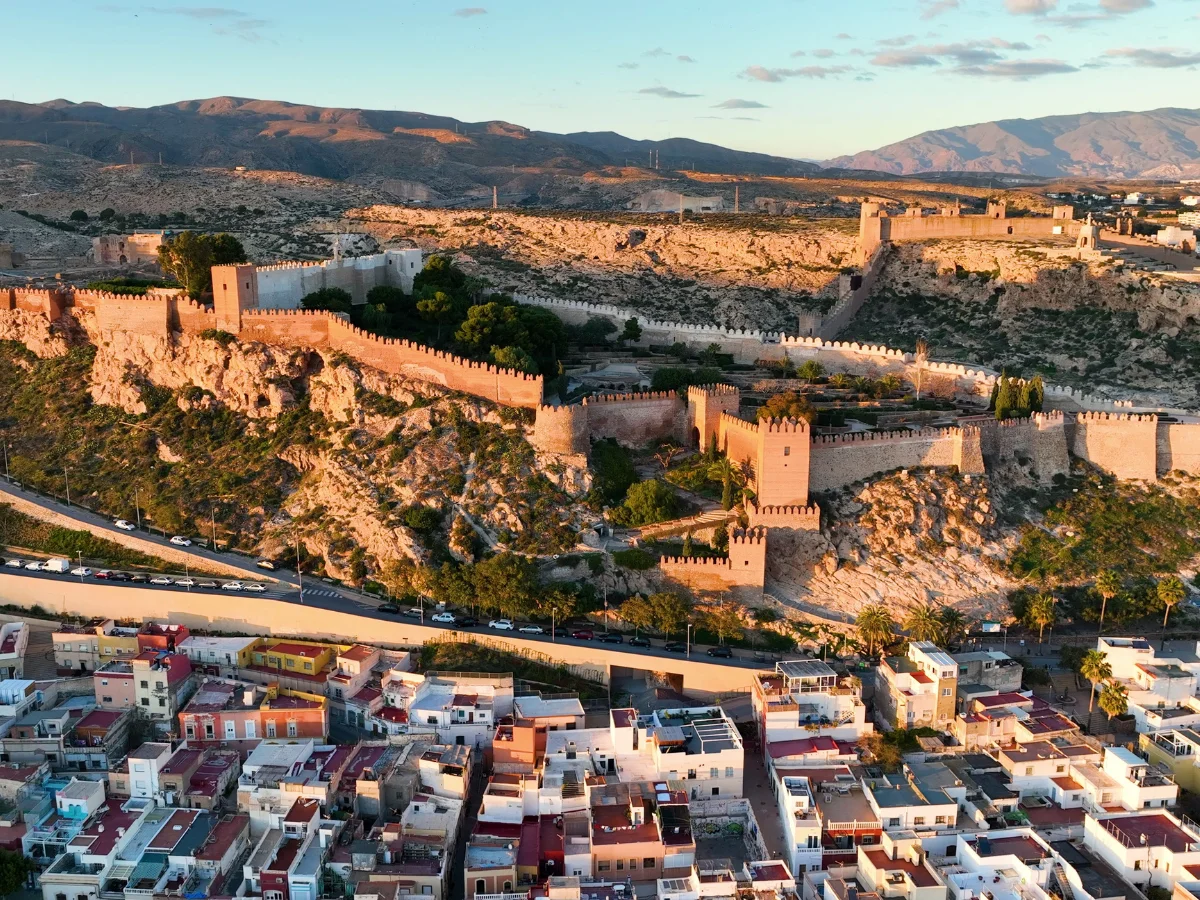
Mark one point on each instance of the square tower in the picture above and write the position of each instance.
(235, 288)
(781, 470)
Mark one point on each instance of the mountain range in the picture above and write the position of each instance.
(364, 144)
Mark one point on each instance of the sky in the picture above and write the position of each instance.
(798, 78)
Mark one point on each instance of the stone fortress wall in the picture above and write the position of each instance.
(281, 286)
(743, 572)
(842, 459)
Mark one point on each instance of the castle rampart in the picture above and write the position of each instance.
(744, 571)
(706, 403)
(561, 429)
(805, 518)
(634, 419)
(1041, 439)
(1178, 447)
(838, 460)
(1125, 445)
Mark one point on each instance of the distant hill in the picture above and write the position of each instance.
(1161, 143)
(344, 143)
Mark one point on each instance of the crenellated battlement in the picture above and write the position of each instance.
(748, 537)
(884, 437)
(1093, 417)
(729, 420)
(1052, 419)
(702, 561)
(637, 397)
(783, 426)
(696, 391)
(807, 518)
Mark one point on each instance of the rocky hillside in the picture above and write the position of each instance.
(361, 467)
(1022, 307)
(742, 273)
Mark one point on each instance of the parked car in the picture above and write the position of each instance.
(81, 571)
(255, 587)
(413, 612)
(443, 618)
(180, 541)
(125, 526)
(390, 609)
(268, 564)
(14, 564)
(208, 583)
(185, 582)
(639, 642)
(103, 573)
(467, 622)
(35, 566)
(674, 647)
(232, 586)
(56, 565)
(136, 577)
(721, 652)
(532, 629)
(160, 579)
(611, 637)
(583, 634)
(501, 624)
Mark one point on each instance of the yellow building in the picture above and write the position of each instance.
(297, 657)
(1177, 750)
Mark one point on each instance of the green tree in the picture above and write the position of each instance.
(878, 751)
(1108, 586)
(954, 626)
(726, 622)
(440, 274)
(687, 545)
(924, 623)
(508, 583)
(890, 383)
(1041, 612)
(671, 611)
(79, 215)
(721, 538)
(1170, 591)
(638, 612)
(189, 257)
(632, 331)
(438, 308)
(1095, 668)
(15, 869)
(646, 502)
(875, 628)
(731, 477)
(1037, 394)
(513, 358)
(1114, 699)
(841, 381)
(332, 299)
(107, 214)
(788, 405)
(810, 370)
(557, 604)
(391, 298)
(1006, 399)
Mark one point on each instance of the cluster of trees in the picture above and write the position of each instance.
(788, 405)
(189, 256)
(1143, 597)
(1014, 398)
(646, 502)
(448, 309)
(664, 612)
(876, 628)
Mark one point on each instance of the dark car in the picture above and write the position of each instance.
(137, 578)
(207, 583)
(390, 608)
(268, 564)
(120, 576)
(582, 634)
(722, 652)
(467, 622)
(639, 642)
(611, 637)
(674, 647)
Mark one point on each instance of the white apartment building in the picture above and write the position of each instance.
(144, 764)
(226, 654)
(806, 698)
(1043, 769)
(1123, 779)
(1124, 654)
(903, 804)
(899, 867)
(801, 824)
(14, 637)
(699, 746)
(917, 690)
(462, 709)
(1009, 864)
(1146, 848)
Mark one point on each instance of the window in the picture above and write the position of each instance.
(632, 864)
(104, 682)
(291, 664)
(893, 823)
(162, 701)
(787, 451)
(729, 771)
(145, 684)
(189, 730)
(1060, 769)
(714, 772)
(1137, 865)
(480, 886)
(691, 773)
(507, 886)
(145, 701)
(158, 685)
(292, 728)
(270, 728)
(308, 666)
(620, 865)
(945, 692)
(919, 820)
(208, 730)
(1029, 770)
(940, 820)
(107, 699)
(602, 866)
(648, 862)
(716, 792)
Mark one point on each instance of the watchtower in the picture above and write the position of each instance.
(235, 288)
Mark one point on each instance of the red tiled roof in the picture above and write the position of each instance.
(359, 653)
(290, 648)
(803, 746)
(624, 718)
(1009, 699)
(100, 718)
(920, 875)
(393, 714)
(303, 810)
(224, 834)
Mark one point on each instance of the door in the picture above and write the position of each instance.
(230, 729)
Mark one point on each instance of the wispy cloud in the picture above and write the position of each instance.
(222, 20)
(1030, 7)
(762, 73)
(897, 59)
(1020, 69)
(1125, 6)
(657, 51)
(824, 53)
(739, 104)
(1156, 57)
(843, 36)
(931, 9)
(468, 11)
(199, 12)
(627, 65)
(685, 59)
(898, 41)
(666, 93)
(1081, 14)
(960, 54)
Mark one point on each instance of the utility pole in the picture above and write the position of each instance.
(68, 483)
(736, 200)
(652, 159)
(131, 157)
(4, 444)
(681, 209)
(495, 202)
(212, 513)
(160, 157)
(299, 574)
(137, 509)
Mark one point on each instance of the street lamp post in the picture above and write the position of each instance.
(299, 573)
(212, 513)
(137, 509)
(689, 640)
(67, 481)
(81, 565)
(552, 624)
(4, 444)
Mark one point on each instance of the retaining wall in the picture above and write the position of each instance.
(1041, 438)
(1125, 445)
(838, 460)
(1177, 447)
(745, 570)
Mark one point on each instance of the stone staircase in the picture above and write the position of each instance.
(709, 519)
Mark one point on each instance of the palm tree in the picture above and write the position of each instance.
(1041, 612)
(1095, 668)
(954, 625)
(729, 474)
(875, 628)
(1108, 585)
(920, 357)
(924, 623)
(1170, 591)
(840, 380)
(1114, 699)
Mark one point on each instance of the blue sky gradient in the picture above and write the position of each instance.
(798, 78)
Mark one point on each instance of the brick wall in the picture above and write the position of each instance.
(561, 429)
(1125, 445)
(129, 313)
(50, 302)
(738, 439)
(838, 460)
(781, 472)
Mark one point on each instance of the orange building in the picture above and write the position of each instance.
(519, 747)
(231, 710)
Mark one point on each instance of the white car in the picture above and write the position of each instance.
(180, 541)
(13, 564)
(160, 579)
(34, 566)
(255, 587)
(81, 571)
(185, 582)
(532, 629)
(444, 617)
(232, 586)
(501, 624)
(125, 526)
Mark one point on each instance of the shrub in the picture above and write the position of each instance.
(633, 558)
(646, 502)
